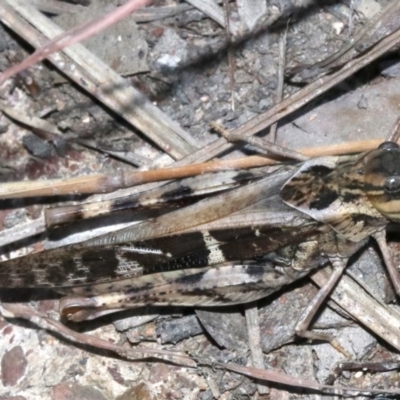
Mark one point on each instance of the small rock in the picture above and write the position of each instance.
(363, 103)
(390, 68)
(146, 332)
(264, 103)
(14, 218)
(355, 340)
(116, 374)
(170, 52)
(123, 324)
(69, 391)
(279, 317)
(139, 392)
(228, 329)
(367, 7)
(38, 147)
(13, 366)
(3, 128)
(174, 331)
(207, 395)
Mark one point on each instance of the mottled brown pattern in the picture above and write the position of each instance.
(333, 190)
(329, 207)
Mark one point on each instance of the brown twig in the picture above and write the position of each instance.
(102, 183)
(279, 377)
(19, 310)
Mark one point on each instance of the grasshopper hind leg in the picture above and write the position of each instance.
(380, 238)
(305, 319)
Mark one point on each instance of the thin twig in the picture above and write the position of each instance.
(231, 58)
(253, 329)
(56, 7)
(280, 79)
(278, 377)
(103, 183)
(395, 132)
(266, 146)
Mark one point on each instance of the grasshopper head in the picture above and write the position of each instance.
(382, 179)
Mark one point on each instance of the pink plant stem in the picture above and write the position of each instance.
(75, 35)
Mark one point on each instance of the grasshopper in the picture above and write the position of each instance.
(232, 248)
(263, 230)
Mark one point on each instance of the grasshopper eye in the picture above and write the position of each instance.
(392, 185)
(382, 179)
(388, 146)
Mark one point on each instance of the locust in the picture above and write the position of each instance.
(265, 230)
(243, 236)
